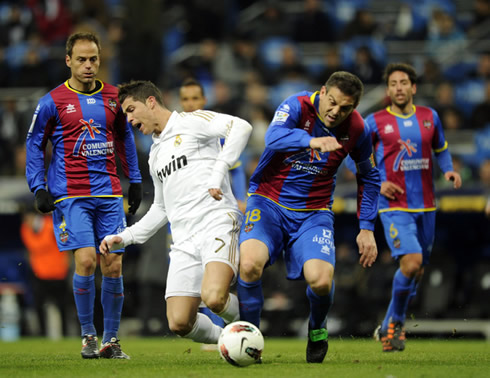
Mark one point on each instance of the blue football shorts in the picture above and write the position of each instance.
(408, 232)
(84, 221)
(300, 235)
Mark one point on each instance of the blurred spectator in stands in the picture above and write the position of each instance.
(313, 24)
(53, 20)
(445, 39)
(237, 61)
(291, 66)
(13, 130)
(481, 16)
(224, 99)
(16, 24)
(33, 71)
(205, 19)
(4, 70)
(200, 65)
(480, 116)
(49, 266)
(140, 47)
(366, 67)
(332, 62)
(273, 22)
(447, 107)
(362, 25)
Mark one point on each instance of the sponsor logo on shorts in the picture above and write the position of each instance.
(396, 243)
(249, 227)
(64, 237)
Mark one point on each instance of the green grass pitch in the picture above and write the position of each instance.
(175, 357)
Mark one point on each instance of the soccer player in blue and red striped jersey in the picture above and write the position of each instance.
(86, 126)
(291, 196)
(405, 137)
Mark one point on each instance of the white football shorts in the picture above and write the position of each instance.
(217, 242)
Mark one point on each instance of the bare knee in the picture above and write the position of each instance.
(111, 265)
(85, 262)
(214, 300)
(180, 327)
(319, 276)
(321, 287)
(411, 265)
(254, 254)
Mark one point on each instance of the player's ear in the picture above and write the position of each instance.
(68, 60)
(414, 89)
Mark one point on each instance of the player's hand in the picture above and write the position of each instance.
(44, 201)
(454, 177)
(135, 194)
(367, 248)
(325, 144)
(217, 194)
(390, 190)
(110, 242)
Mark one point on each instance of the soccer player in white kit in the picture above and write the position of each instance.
(189, 169)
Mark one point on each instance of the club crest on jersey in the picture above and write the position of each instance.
(389, 129)
(112, 104)
(427, 124)
(178, 141)
(70, 108)
(89, 128)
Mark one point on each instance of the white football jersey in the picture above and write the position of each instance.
(186, 160)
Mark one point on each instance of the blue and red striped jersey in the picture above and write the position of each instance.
(296, 177)
(85, 131)
(403, 146)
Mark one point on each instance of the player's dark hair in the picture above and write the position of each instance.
(72, 39)
(139, 90)
(349, 84)
(190, 82)
(403, 67)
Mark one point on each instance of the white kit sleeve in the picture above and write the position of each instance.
(236, 132)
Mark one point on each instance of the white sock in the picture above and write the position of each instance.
(231, 312)
(204, 331)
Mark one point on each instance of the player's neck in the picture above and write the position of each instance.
(82, 87)
(163, 116)
(407, 109)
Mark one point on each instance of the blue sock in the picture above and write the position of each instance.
(112, 299)
(400, 296)
(251, 300)
(216, 319)
(319, 307)
(84, 293)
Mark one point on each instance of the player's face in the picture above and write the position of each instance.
(84, 65)
(401, 90)
(335, 106)
(139, 115)
(191, 98)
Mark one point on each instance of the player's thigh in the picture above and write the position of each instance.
(400, 231)
(216, 280)
(314, 240)
(73, 221)
(264, 223)
(109, 219)
(185, 271)
(219, 243)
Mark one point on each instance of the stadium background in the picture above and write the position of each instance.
(250, 55)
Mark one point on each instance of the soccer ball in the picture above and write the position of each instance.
(241, 343)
